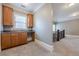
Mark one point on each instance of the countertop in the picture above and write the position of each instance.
(17, 31)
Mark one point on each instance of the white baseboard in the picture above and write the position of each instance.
(73, 35)
(44, 45)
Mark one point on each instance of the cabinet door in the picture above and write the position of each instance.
(30, 20)
(33, 36)
(22, 37)
(14, 39)
(6, 42)
(7, 15)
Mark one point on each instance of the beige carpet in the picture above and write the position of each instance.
(69, 46)
(30, 49)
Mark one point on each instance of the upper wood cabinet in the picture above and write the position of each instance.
(30, 20)
(7, 15)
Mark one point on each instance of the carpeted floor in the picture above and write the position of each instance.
(69, 46)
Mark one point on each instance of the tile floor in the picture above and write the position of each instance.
(30, 49)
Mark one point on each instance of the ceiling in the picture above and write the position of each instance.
(65, 11)
(27, 6)
(61, 11)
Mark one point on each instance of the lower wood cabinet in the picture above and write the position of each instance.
(5, 42)
(33, 36)
(14, 39)
(22, 37)
(11, 39)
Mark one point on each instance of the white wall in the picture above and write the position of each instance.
(71, 27)
(43, 18)
(0, 23)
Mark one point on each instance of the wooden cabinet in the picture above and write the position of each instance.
(33, 36)
(14, 39)
(30, 20)
(7, 16)
(5, 41)
(11, 39)
(22, 37)
(18, 38)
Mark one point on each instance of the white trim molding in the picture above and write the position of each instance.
(38, 7)
(73, 35)
(44, 45)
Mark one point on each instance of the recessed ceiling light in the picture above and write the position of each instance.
(75, 14)
(71, 4)
(26, 4)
